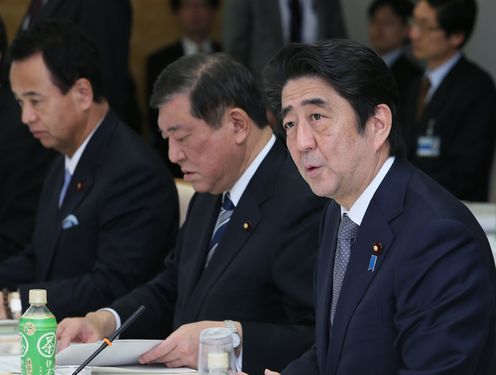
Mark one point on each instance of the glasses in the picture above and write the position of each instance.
(422, 27)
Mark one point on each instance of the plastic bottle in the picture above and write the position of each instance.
(37, 328)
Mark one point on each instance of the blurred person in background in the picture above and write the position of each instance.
(108, 23)
(450, 111)
(389, 36)
(194, 18)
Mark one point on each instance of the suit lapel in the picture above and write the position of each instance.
(196, 252)
(80, 185)
(386, 204)
(243, 223)
(324, 285)
(443, 92)
(51, 219)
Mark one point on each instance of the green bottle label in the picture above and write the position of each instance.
(38, 345)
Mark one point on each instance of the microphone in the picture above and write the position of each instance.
(108, 341)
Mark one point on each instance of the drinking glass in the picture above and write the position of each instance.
(216, 353)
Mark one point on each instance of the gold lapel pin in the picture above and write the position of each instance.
(80, 186)
(377, 248)
(246, 225)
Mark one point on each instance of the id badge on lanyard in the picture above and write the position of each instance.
(429, 145)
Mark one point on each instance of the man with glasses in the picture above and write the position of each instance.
(450, 113)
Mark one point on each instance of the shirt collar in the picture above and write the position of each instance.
(240, 186)
(72, 162)
(357, 211)
(436, 76)
(190, 47)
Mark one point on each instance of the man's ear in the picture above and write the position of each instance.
(240, 123)
(456, 40)
(380, 125)
(83, 93)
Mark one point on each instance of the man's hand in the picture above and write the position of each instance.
(268, 372)
(181, 347)
(93, 327)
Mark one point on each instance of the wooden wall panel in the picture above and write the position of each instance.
(154, 25)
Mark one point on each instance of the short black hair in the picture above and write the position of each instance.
(353, 70)
(402, 8)
(68, 53)
(176, 4)
(214, 82)
(455, 16)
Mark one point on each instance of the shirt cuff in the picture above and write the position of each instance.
(116, 317)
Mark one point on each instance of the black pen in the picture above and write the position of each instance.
(108, 341)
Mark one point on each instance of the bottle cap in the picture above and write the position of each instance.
(37, 297)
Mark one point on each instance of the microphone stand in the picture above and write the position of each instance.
(108, 341)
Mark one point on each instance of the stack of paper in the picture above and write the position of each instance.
(120, 358)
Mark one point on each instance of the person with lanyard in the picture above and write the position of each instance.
(449, 113)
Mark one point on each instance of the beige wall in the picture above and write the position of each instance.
(153, 26)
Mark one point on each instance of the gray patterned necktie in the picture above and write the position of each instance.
(346, 236)
(225, 213)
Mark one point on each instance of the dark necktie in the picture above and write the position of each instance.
(295, 21)
(220, 226)
(346, 236)
(425, 85)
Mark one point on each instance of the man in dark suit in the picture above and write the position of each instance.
(108, 23)
(108, 210)
(195, 21)
(388, 35)
(23, 165)
(449, 120)
(254, 30)
(405, 280)
(257, 280)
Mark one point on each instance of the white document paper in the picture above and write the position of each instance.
(142, 370)
(11, 365)
(122, 352)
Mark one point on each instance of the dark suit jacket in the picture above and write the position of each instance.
(429, 306)
(252, 30)
(126, 205)
(155, 63)
(108, 23)
(23, 165)
(260, 275)
(405, 72)
(463, 111)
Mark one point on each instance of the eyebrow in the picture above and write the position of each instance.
(170, 130)
(29, 94)
(174, 128)
(319, 102)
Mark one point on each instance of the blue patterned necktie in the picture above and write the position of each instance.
(346, 236)
(220, 226)
(67, 179)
